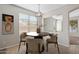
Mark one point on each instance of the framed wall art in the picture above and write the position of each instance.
(7, 24)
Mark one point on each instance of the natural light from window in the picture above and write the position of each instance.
(27, 23)
(59, 19)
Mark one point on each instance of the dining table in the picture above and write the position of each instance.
(37, 35)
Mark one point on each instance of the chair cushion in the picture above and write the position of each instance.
(51, 40)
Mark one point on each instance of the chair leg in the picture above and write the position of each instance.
(47, 47)
(19, 46)
(39, 48)
(55, 45)
(24, 43)
(58, 48)
(26, 48)
(43, 48)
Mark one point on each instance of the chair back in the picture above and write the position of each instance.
(22, 36)
(33, 45)
(53, 37)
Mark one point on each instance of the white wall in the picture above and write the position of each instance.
(63, 37)
(11, 39)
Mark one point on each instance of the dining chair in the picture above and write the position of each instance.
(52, 40)
(22, 39)
(34, 46)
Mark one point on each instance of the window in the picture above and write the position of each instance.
(33, 23)
(23, 23)
(58, 25)
(54, 23)
(49, 24)
(27, 23)
(74, 21)
(58, 19)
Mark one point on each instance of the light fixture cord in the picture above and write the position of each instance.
(38, 7)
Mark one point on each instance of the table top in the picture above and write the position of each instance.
(37, 34)
(32, 33)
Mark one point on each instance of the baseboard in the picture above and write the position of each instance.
(9, 46)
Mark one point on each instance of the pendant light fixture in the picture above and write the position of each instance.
(39, 11)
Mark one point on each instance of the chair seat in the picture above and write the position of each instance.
(51, 41)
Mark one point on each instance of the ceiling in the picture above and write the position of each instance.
(43, 7)
(74, 13)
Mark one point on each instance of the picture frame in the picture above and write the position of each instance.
(7, 24)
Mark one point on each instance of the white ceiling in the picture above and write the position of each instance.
(43, 7)
(74, 13)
